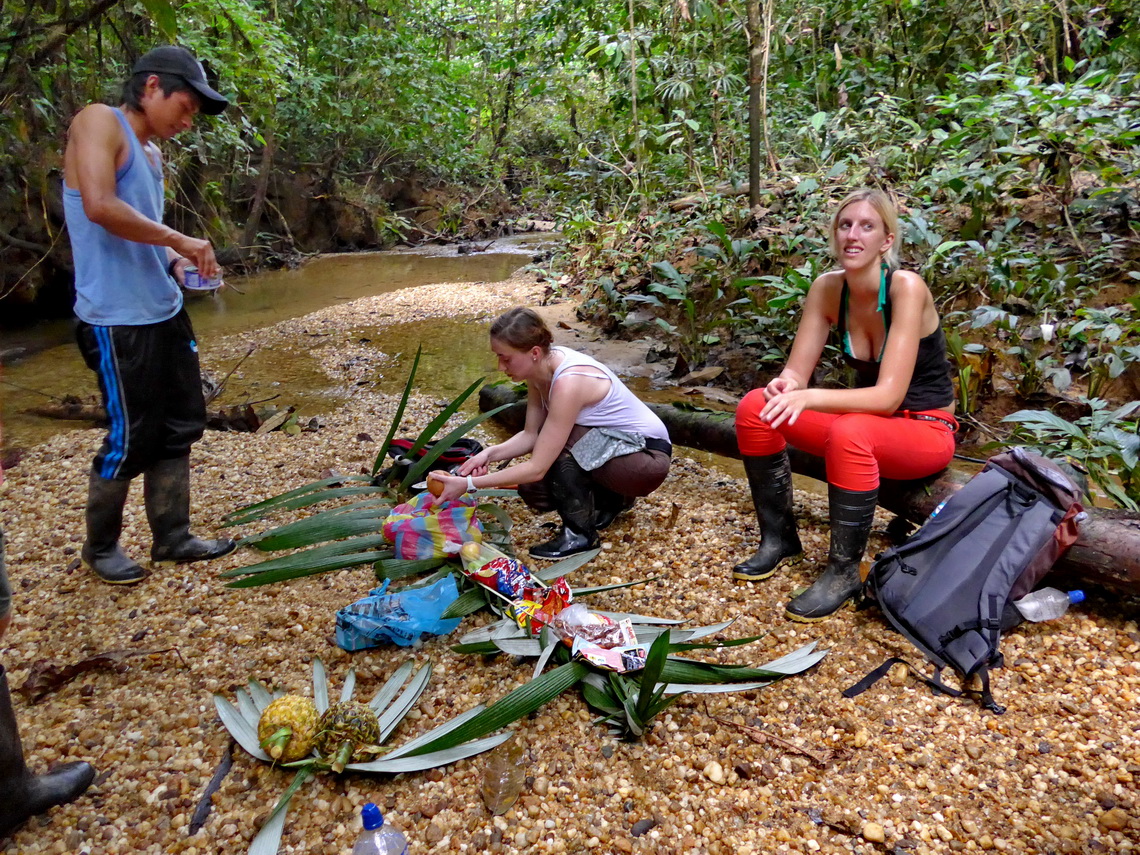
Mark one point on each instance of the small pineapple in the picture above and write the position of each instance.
(348, 730)
(288, 728)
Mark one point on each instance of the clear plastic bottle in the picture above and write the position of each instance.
(377, 838)
(1047, 603)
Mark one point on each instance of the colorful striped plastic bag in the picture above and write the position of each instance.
(418, 530)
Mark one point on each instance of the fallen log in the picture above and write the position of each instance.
(1106, 554)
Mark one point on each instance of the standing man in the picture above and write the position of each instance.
(133, 331)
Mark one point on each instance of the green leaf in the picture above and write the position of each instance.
(244, 733)
(1045, 419)
(422, 466)
(319, 528)
(320, 686)
(651, 674)
(391, 686)
(310, 499)
(349, 686)
(441, 757)
(615, 586)
(671, 273)
(439, 421)
(566, 566)
(261, 508)
(403, 704)
(378, 463)
(515, 705)
(467, 603)
(268, 839)
(331, 556)
(302, 570)
(436, 732)
(402, 568)
(164, 17)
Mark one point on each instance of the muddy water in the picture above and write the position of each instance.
(53, 367)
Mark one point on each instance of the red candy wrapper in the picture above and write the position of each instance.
(538, 606)
(489, 567)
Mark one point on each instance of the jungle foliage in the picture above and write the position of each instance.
(1010, 131)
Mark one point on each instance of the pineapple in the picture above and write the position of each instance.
(348, 733)
(288, 728)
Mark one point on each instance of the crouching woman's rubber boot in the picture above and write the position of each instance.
(573, 498)
(852, 514)
(25, 794)
(166, 492)
(770, 482)
(101, 552)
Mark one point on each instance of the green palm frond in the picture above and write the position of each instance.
(424, 464)
(378, 463)
(303, 497)
(465, 736)
(330, 525)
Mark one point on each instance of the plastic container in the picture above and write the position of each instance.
(195, 281)
(1047, 604)
(376, 838)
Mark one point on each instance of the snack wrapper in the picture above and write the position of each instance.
(489, 567)
(577, 622)
(619, 659)
(539, 605)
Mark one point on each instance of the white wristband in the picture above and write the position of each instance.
(470, 484)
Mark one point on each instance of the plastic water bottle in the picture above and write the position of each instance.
(378, 838)
(1047, 604)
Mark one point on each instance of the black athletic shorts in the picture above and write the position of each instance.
(152, 389)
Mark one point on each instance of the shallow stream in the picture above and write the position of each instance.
(43, 363)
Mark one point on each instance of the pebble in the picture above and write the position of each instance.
(961, 774)
(714, 772)
(873, 832)
(1113, 820)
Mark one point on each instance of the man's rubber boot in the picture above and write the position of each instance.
(166, 492)
(101, 552)
(770, 482)
(573, 497)
(852, 514)
(607, 505)
(25, 794)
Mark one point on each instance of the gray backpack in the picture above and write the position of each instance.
(948, 588)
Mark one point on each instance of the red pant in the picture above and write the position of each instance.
(858, 448)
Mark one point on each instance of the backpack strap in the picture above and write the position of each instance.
(935, 682)
(988, 701)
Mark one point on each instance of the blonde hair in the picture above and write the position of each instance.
(884, 206)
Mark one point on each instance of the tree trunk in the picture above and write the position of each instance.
(249, 236)
(754, 82)
(1107, 552)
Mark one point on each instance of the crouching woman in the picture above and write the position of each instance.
(897, 422)
(593, 445)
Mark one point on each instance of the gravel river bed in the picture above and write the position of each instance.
(794, 767)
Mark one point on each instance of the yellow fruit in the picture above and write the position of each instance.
(470, 551)
(288, 728)
(434, 485)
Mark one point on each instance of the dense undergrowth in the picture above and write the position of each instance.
(1009, 130)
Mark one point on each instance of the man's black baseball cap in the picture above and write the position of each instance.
(172, 59)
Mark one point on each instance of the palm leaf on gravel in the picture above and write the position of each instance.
(464, 736)
(349, 535)
(629, 701)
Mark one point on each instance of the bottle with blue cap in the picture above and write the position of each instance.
(1047, 604)
(376, 838)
